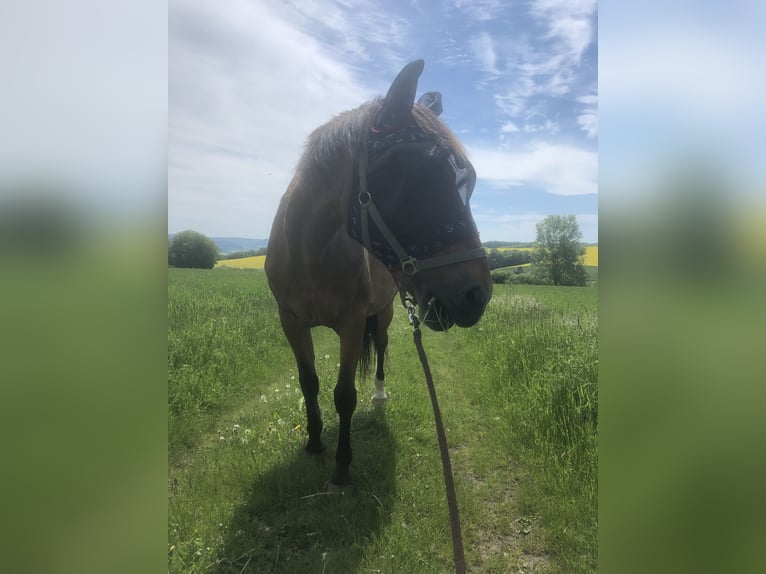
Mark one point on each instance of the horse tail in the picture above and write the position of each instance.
(370, 328)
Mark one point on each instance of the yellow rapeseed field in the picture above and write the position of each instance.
(244, 263)
(591, 253)
(591, 258)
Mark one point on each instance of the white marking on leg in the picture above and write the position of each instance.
(379, 398)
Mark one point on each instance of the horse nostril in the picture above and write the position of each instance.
(475, 296)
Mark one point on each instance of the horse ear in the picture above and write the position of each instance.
(433, 101)
(397, 106)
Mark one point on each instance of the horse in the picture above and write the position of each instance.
(378, 205)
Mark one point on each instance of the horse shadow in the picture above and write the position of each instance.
(290, 522)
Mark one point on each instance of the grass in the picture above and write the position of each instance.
(518, 395)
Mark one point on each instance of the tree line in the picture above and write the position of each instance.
(192, 249)
(497, 258)
(557, 257)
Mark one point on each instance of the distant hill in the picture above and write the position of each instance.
(231, 244)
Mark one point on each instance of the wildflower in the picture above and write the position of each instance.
(263, 398)
(221, 437)
(236, 428)
(248, 431)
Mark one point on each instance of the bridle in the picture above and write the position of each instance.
(409, 264)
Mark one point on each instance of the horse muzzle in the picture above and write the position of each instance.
(464, 308)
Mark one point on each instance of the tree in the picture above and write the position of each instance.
(558, 255)
(192, 249)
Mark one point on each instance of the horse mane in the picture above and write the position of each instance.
(344, 137)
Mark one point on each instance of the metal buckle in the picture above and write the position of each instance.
(365, 198)
(410, 266)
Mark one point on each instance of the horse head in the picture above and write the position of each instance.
(412, 210)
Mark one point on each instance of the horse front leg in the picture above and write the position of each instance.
(345, 398)
(299, 337)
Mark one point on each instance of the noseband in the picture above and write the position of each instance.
(367, 210)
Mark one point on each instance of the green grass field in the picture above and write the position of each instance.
(518, 394)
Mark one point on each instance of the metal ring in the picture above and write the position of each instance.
(410, 266)
(365, 198)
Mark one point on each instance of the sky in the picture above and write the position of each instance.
(250, 79)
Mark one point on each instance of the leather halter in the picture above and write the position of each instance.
(409, 264)
(383, 244)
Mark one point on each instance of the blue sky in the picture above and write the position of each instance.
(250, 79)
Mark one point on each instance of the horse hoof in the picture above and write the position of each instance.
(379, 399)
(315, 451)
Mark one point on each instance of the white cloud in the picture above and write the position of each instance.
(547, 126)
(508, 128)
(588, 119)
(480, 10)
(241, 104)
(542, 69)
(361, 31)
(557, 169)
(569, 22)
(484, 51)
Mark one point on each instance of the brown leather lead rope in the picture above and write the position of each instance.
(454, 518)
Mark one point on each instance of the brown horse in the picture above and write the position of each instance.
(379, 203)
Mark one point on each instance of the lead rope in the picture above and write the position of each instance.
(454, 518)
